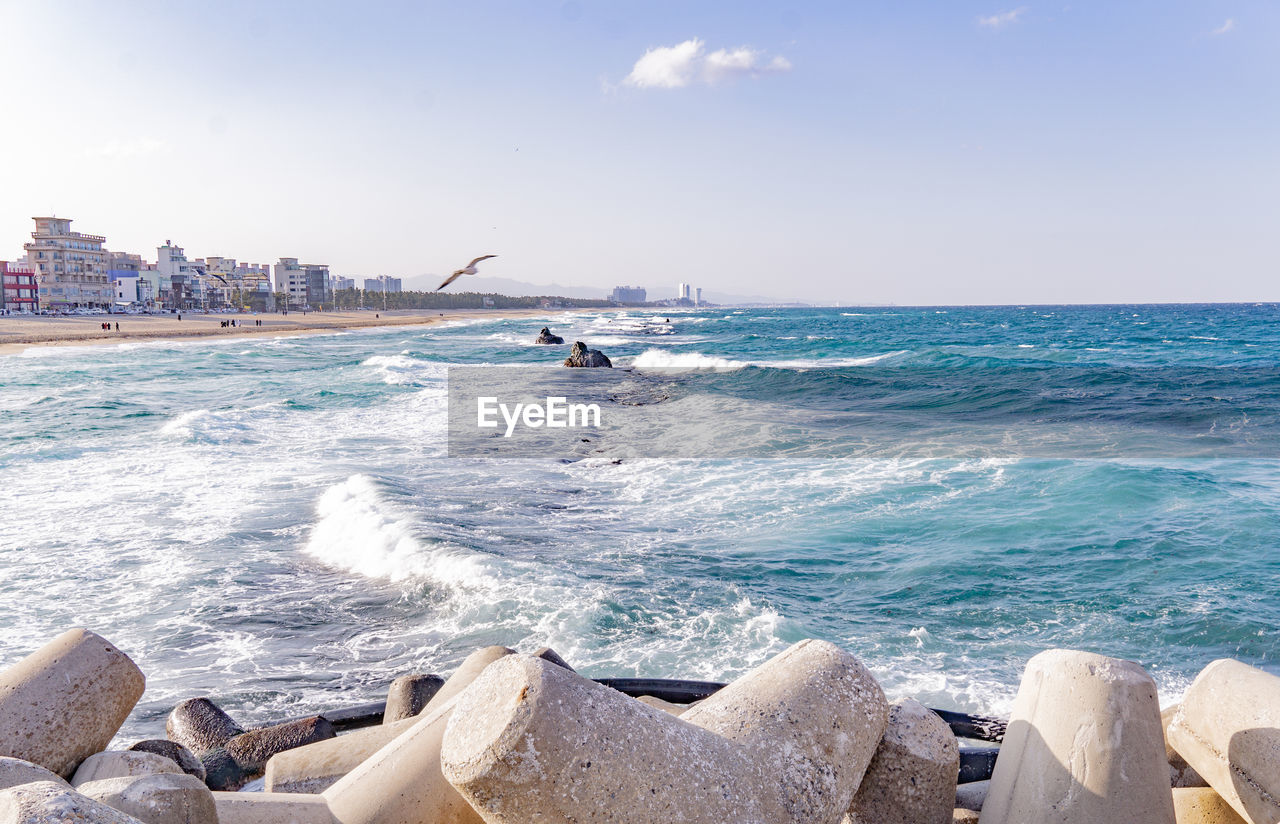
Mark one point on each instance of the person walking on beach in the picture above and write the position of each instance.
(117, 326)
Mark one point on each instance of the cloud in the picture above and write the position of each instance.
(1002, 19)
(674, 67)
(1230, 25)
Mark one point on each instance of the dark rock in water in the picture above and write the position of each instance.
(200, 725)
(408, 694)
(252, 749)
(175, 752)
(580, 355)
(545, 336)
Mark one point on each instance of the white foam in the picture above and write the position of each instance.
(359, 532)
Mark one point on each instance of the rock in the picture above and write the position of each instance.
(14, 772)
(66, 700)
(545, 336)
(53, 802)
(316, 767)
(402, 782)
(962, 816)
(786, 743)
(1202, 805)
(1084, 745)
(1181, 774)
(1228, 729)
(912, 777)
(580, 355)
(970, 796)
(548, 654)
(173, 751)
(172, 798)
(121, 764)
(200, 725)
(271, 808)
(252, 749)
(408, 695)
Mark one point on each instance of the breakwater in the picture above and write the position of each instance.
(808, 737)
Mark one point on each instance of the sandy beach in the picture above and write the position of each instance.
(19, 333)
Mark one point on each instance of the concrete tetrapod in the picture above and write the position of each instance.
(316, 767)
(1228, 728)
(1203, 805)
(1084, 745)
(14, 772)
(168, 798)
(271, 808)
(530, 741)
(408, 695)
(402, 782)
(50, 802)
(121, 764)
(912, 777)
(64, 702)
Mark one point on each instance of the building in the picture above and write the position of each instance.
(697, 299)
(304, 284)
(180, 283)
(131, 279)
(383, 284)
(70, 267)
(684, 292)
(628, 294)
(19, 288)
(340, 283)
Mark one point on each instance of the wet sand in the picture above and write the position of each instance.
(19, 333)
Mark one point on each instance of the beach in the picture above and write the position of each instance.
(22, 331)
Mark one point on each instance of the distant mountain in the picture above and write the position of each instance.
(519, 288)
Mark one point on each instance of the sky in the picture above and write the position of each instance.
(844, 152)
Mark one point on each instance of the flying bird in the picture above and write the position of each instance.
(469, 269)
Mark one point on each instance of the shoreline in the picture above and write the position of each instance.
(19, 334)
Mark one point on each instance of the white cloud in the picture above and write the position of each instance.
(1002, 19)
(1230, 25)
(667, 67)
(673, 67)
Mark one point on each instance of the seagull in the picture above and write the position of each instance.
(469, 269)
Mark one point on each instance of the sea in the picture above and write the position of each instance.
(279, 523)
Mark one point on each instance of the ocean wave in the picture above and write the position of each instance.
(663, 359)
(358, 531)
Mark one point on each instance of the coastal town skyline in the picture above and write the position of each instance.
(959, 153)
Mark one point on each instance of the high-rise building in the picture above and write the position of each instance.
(383, 283)
(684, 292)
(306, 284)
(19, 288)
(70, 267)
(697, 299)
(340, 283)
(628, 294)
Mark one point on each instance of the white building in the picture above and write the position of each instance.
(305, 284)
(70, 267)
(684, 292)
(697, 300)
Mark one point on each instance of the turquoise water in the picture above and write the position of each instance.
(944, 491)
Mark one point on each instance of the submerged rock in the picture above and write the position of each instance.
(580, 355)
(545, 336)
